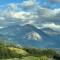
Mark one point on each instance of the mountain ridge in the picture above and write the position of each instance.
(16, 33)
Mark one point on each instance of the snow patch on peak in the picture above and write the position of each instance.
(33, 36)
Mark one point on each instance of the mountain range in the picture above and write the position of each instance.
(30, 36)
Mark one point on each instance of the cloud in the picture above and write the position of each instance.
(18, 12)
(54, 1)
(56, 11)
(12, 5)
(2, 18)
(1, 27)
(52, 26)
(31, 12)
(23, 15)
(29, 3)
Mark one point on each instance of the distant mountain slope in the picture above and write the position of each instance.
(29, 36)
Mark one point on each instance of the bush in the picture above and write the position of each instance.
(45, 52)
(7, 53)
(44, 58)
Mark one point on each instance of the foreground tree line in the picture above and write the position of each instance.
(50, 53)
(42, 54)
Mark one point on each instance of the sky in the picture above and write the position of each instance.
(46, 3)
(41, 13)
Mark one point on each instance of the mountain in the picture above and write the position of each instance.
(33, 36)
(29, 36)
(54, 37)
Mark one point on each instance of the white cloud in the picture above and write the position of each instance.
(52, 26)
(24, 16)
(29, 3)
(1, 27)
(30, 22)
(31, 12)
(12, 6)
(56, 10)
(2, 18)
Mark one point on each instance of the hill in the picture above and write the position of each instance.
(16, 53)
